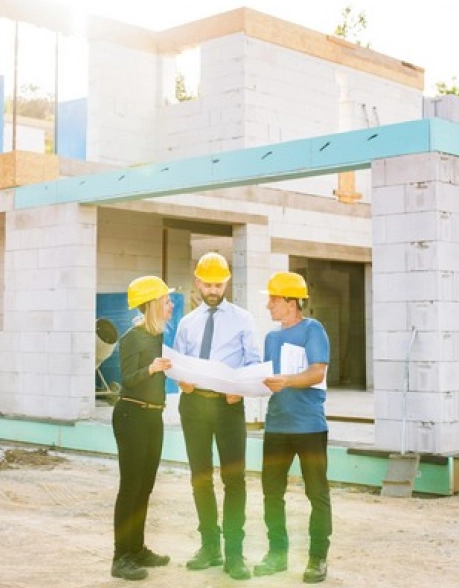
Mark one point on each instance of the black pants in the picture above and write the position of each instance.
(203, 421)
(279, 451)
(139, 436)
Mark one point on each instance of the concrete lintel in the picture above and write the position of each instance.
(170, 210)
(338, 152)
(314, 249)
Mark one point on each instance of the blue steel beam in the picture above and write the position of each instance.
(327, 154)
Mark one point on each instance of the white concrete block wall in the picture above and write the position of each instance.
(421, 407)
(122, 105)
(129, 245)
(254, 93)
(301, 225)
(179, 265)
(216, 117)
(2, 266)
(442, 107)
(416, 279)
(418, 437)
(250, 265)
(47, 348)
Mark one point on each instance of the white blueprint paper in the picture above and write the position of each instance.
(293, 361)
(215, 375)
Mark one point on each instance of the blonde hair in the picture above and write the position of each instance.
(152, 318)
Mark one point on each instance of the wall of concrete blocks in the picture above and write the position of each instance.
(122, 105)
(2, 266)
(129, 244)
(255, 93)
(251, 93)
(55, 260)
(47, 347)
(416, 281)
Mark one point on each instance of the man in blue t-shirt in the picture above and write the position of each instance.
(295, 425)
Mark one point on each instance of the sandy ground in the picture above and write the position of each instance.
(56, 530)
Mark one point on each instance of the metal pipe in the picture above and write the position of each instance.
(406, 387)
(15, 86)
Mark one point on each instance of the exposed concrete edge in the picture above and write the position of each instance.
(314, 249)
(276, 31)
(273, 196)
(192, 213)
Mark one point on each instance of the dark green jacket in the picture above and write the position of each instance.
(138, 349)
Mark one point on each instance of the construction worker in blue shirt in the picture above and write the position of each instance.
(295, 425)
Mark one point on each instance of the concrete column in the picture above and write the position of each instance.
(47, 348)
(250, 265)
(415, 288)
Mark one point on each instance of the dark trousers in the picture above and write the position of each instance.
(139, 437)
(279, 451)
(203, 421)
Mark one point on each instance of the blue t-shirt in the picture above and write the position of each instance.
(297, 410)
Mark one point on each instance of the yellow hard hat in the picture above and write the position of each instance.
(288, 285)
(213, 268)
(146, 288)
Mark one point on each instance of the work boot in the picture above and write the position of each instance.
(236, 568)
(272, 563)
(316, 570)
(206, 557)
(125, 567)
(148, 559)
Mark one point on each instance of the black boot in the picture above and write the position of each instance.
(206, 557)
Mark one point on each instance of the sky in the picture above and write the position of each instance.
(422, 32)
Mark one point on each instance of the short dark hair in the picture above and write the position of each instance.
(300, 302)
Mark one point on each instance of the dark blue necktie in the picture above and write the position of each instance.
(207, 336)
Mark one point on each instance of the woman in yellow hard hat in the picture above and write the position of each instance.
(138, 425)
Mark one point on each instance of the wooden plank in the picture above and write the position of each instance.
(21, 168)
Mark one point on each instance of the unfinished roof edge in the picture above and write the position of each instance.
(291, 36)
(256, 165)
(251, 22)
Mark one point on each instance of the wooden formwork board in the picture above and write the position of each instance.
(21, 168)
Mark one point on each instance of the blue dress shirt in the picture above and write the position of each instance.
(234, 340)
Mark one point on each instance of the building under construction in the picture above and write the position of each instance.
(293, 150)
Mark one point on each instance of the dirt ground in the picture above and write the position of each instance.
(56, 530)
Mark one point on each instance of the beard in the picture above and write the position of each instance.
(212, 299)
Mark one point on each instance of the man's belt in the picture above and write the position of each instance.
(143, 404)
(208, 393)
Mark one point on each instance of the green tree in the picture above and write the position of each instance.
(181, 92)
(451, 87)
(32, 103)
(352, 25)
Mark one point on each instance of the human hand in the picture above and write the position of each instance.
(233, 399)
(159, 364)
(186, 387)
(276, 383)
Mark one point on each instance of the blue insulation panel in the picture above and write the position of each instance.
(294, 159)
(71, 128)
